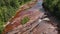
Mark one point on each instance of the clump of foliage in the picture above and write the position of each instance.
(53, 6)
(25, 20)
(8, 9)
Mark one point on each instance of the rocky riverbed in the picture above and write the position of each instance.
(39, 22)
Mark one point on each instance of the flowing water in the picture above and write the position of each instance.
(37, 6)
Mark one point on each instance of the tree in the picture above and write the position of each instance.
(53, 6)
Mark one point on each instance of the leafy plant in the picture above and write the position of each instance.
(25, 20)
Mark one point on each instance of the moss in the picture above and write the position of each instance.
(25, 20)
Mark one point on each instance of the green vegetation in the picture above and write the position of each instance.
(53, 6)
(25, 20)
(8, 9)
(1, 27)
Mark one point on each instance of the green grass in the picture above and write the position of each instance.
(25, 20)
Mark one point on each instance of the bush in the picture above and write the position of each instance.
(53, 6)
